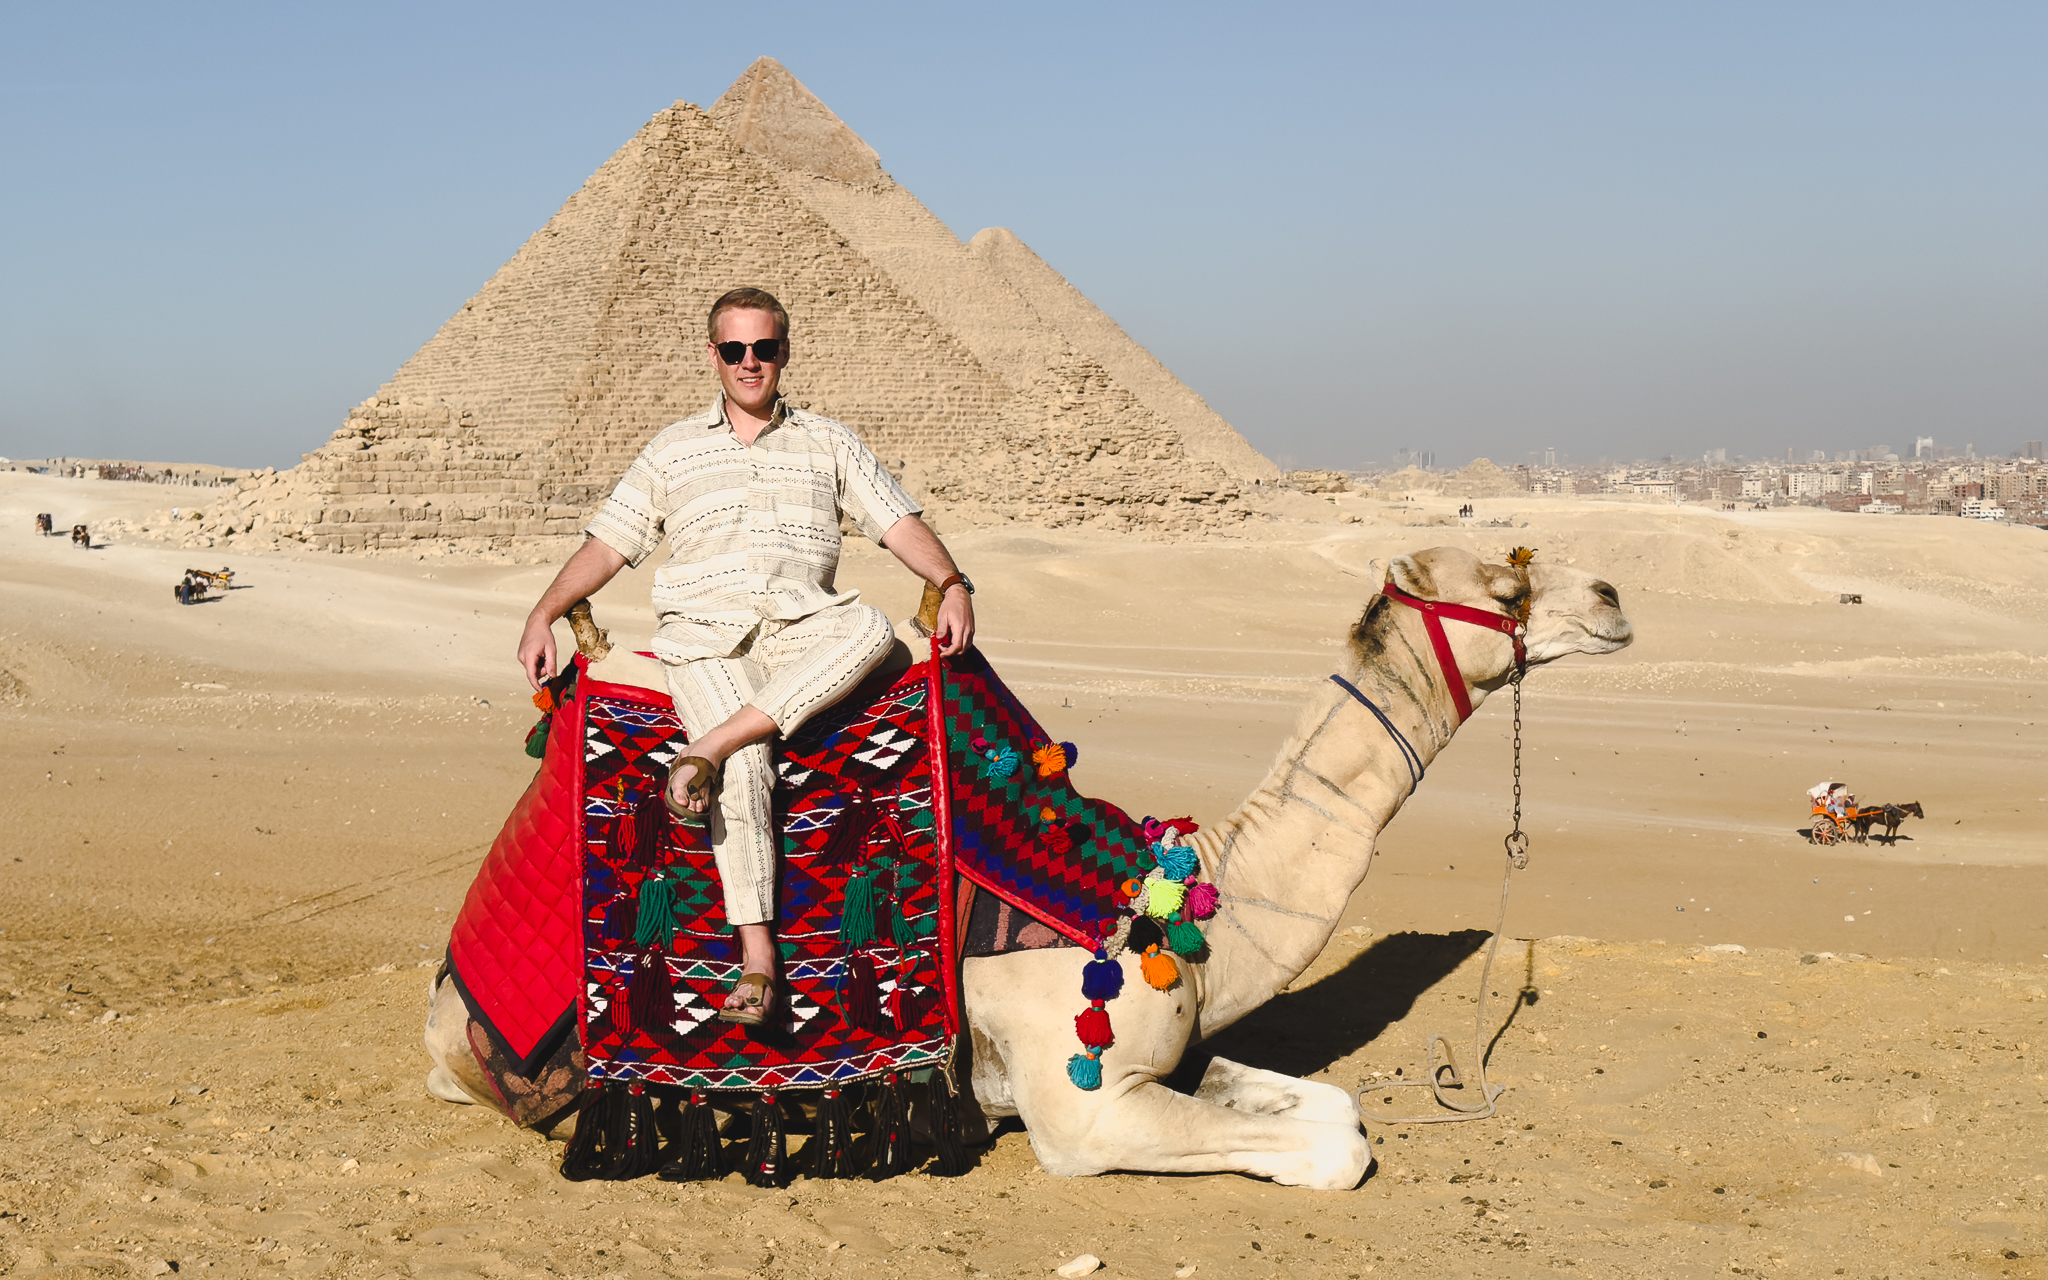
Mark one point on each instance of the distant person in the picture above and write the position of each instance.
(754, 634)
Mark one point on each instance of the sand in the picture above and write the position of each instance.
(236, 832)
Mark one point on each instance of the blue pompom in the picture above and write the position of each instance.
(1084, 1071)
(1002, 764)
(1101, 979)
(1178, 862)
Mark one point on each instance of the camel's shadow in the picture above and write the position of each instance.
(1304, 1031)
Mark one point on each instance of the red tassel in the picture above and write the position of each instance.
(1092, 1026)
(858, 1005)
(651, 996)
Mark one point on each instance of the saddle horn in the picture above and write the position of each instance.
(592, 641)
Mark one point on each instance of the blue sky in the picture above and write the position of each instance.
(1620, 229)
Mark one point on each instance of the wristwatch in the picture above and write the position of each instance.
(960, 578)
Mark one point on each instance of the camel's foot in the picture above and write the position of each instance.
(1151, 1129)
(443, 1085)
(1268, 1093)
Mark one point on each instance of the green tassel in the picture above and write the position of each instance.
(537, 739)
(857, 916)
(1183, 938)
(656, 924)
(901, 929)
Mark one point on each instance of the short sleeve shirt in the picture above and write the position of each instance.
(751, 531)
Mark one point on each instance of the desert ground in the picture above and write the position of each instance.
(236, 833)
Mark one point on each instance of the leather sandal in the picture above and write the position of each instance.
(754, 1009)
(703, 785)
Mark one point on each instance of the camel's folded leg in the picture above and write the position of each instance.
(1151, 1128)
(455, 1076)
(1268, 1093)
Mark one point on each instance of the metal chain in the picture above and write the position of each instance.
(1518, 840)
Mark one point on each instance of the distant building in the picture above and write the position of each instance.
(2031, 449)
(1879, 507)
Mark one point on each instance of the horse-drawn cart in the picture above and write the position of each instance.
(197, 583)
(1834, 813)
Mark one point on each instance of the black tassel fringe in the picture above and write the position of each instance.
(694, 1141)
(615, 1135)
(832, 1138)
(889, 1137)
(945, 1125)
(768, 1146)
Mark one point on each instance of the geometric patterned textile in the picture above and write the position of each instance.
(1026, 835)
(595, 911)
(853, 799)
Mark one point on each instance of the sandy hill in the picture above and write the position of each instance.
(980, 374)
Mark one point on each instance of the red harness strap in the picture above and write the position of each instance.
(1433, 611)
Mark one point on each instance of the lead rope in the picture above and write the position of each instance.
(1443, 1073)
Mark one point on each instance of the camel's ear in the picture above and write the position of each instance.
(1408, 574)
(1502, 583)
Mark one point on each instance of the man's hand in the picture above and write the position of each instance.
(537, 650)
(912, 541)
(956, 622)
(593, 565)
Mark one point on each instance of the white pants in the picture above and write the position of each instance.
(789, 671)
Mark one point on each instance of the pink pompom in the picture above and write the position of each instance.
(1201, 902)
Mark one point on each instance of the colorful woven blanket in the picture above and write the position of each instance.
(594, 914)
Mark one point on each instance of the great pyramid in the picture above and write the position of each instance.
(992, 385)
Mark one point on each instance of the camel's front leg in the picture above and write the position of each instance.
(1020, 1004)
(1268, 1093)
(1140, 1124)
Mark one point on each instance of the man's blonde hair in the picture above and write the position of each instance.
(748, 299)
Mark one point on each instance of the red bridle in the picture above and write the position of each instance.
(1433, 612)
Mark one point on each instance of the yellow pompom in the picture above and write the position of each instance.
(1164, 897)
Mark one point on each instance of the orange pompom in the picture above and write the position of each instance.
(1050, 759)
(1159, 970)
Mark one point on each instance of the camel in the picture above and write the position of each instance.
(1285, 862)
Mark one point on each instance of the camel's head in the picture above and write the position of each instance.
(1570, 611)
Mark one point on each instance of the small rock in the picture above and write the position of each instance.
(1732, 948)
(350, 1165)
(1182, 1273)
(159, 1267)
(1861, 1162)
(1910, 1113)
(106, 1017)
(1085, 1265)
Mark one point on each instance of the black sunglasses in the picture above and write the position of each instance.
(766, 350)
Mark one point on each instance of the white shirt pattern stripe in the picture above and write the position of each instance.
(752, 530)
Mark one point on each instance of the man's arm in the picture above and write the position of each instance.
(593, 565)
(912, 541)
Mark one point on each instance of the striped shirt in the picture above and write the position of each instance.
(752, 530)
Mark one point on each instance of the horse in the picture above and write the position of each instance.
(1894, 814)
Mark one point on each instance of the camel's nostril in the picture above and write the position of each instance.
(1607, 593)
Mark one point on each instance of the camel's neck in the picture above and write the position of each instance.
(1289, 859)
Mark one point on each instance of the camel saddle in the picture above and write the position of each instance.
(596, 923)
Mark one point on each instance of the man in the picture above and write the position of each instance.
(754, 634)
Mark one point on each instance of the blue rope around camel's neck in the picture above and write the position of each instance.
(1408, 751)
